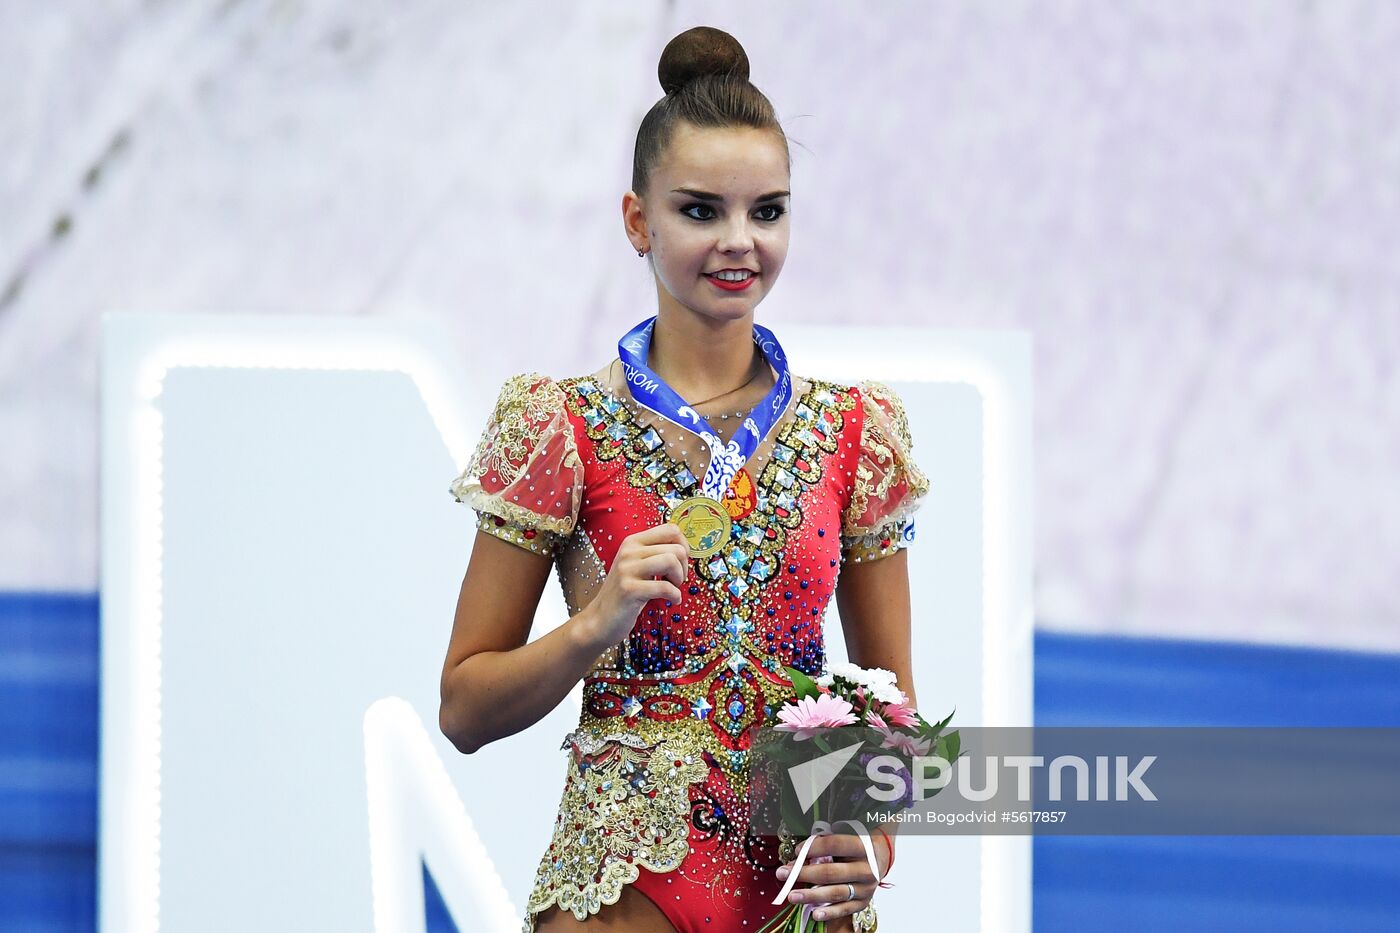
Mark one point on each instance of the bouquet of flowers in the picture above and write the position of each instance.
(850, 697)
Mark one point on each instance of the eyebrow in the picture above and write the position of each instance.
(707, 196)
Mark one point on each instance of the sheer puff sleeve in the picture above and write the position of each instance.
(525, 479)
(888, 486)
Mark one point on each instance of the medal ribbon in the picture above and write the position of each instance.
(651, 392)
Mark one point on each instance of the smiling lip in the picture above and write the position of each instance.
(733, 286)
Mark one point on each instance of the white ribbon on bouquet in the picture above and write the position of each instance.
(822, 828)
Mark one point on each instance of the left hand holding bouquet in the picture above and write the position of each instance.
(836, 868)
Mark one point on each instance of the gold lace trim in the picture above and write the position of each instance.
(539, 541)
(624, 808)
(526, 401)
(884, 541)
(528, 404)
(886, 442)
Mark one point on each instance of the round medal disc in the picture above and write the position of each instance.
(704, 522)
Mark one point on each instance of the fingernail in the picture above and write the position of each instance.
(819, 914)
(796, 895)
(782, 872)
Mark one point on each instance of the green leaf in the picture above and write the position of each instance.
(801, 683)
(784, 921)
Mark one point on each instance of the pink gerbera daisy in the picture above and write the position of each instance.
(900, 741)
(901, 714)
(810, 715)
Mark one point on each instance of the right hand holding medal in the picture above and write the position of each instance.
(651, 564)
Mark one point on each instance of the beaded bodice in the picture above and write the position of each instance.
(711, 667)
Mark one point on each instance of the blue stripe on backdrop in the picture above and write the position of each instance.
(48, 761)
(48, 790)
(1225, 883)
(1104, 681)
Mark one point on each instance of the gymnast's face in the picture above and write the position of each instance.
(718, 200)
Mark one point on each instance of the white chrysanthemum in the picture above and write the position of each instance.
(874, 676)
(825, 680)
(848, 671)
(887, 693)
(877, 681)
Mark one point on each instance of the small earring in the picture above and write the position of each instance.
(641, 252)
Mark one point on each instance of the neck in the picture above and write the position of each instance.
(702, 358)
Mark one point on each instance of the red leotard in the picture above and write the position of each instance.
(657, 769)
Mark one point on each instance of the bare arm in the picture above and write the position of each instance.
(495, 681)
(873, 599)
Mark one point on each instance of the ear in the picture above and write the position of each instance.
(634, 220)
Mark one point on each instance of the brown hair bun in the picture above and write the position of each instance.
(705, 75)
(701, 50)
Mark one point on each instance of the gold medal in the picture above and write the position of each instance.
(704, 522)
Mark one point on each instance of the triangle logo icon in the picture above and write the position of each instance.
(813, 777)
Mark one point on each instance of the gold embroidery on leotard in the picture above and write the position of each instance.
(885, 461)
(625, 808)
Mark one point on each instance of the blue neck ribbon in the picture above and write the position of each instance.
(652, 392)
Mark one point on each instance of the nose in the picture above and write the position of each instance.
(737, 236)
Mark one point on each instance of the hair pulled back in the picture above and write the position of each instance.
(705, 75)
